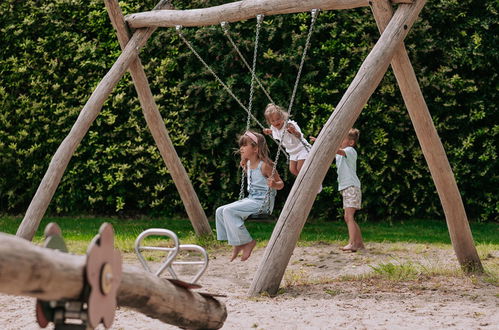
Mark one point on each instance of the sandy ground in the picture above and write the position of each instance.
(313, 296)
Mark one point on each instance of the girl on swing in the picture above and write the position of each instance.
(230, 218)
(296, 146)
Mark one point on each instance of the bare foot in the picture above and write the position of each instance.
(247, 249)
(236, 251)
(351, 248)
(347, 247)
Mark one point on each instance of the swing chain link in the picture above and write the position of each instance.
(259, 20)
(224, 26)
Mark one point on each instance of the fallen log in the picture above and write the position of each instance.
(30, 270)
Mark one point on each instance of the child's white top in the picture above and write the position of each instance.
(292, 144)
(347, 169)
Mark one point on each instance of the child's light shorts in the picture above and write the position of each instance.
(302, 154)
(352, 197)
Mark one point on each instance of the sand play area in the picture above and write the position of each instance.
(320, 291)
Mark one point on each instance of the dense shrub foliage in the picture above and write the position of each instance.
(54, 53)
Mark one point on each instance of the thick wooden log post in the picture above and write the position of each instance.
(30, 270)
(158, 130)
(237, 11)
(62, 156)
(433, 150)
(302, 195)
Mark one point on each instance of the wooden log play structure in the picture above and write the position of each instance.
(394, 25)
(52, 275)
(128, 60)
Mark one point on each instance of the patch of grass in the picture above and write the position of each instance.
(396, 272)
(332, 292)
(405, 271)
(296, 277)
(491, 276)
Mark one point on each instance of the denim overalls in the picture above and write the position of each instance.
(230, 218)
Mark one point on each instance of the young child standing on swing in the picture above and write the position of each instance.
(230, 218)
(296, 146)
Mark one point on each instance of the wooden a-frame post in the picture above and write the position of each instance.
(389, 48)
(433, 150)
(302, 195)
(127, 60)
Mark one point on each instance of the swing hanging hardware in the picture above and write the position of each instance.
(314, 12)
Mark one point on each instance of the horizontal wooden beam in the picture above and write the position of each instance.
(30, 270)
(237, 11)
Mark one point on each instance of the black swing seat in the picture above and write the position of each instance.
(261, 217)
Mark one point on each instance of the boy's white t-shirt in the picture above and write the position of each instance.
(347, 169)
(291, 143)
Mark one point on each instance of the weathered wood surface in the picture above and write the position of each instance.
(62, 156)
(158, 129)
(237, 11)
(433, 150)
(30, 270)
(304, 191)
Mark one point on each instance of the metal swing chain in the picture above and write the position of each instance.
(314, 13)
(227, 34)
(224, 26)
(259, 19)
(227, 89)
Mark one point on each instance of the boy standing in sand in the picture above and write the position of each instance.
(349, 187)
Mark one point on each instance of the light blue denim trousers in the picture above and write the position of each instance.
(230, 220)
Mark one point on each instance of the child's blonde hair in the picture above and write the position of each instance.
(353, 134)
(271, 109)
(263, 150)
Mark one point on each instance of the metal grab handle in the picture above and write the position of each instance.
(204, 261)
(172, 252)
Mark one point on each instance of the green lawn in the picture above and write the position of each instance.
(78, 232)
(415, 231)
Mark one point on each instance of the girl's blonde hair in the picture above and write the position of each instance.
(353, 134)
(263, 150)
(271, 109)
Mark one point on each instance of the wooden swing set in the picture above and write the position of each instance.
(394, 24)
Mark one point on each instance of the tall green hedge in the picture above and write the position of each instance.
(55, 52)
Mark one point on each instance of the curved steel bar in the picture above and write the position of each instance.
(172, 252)
(204, 261)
